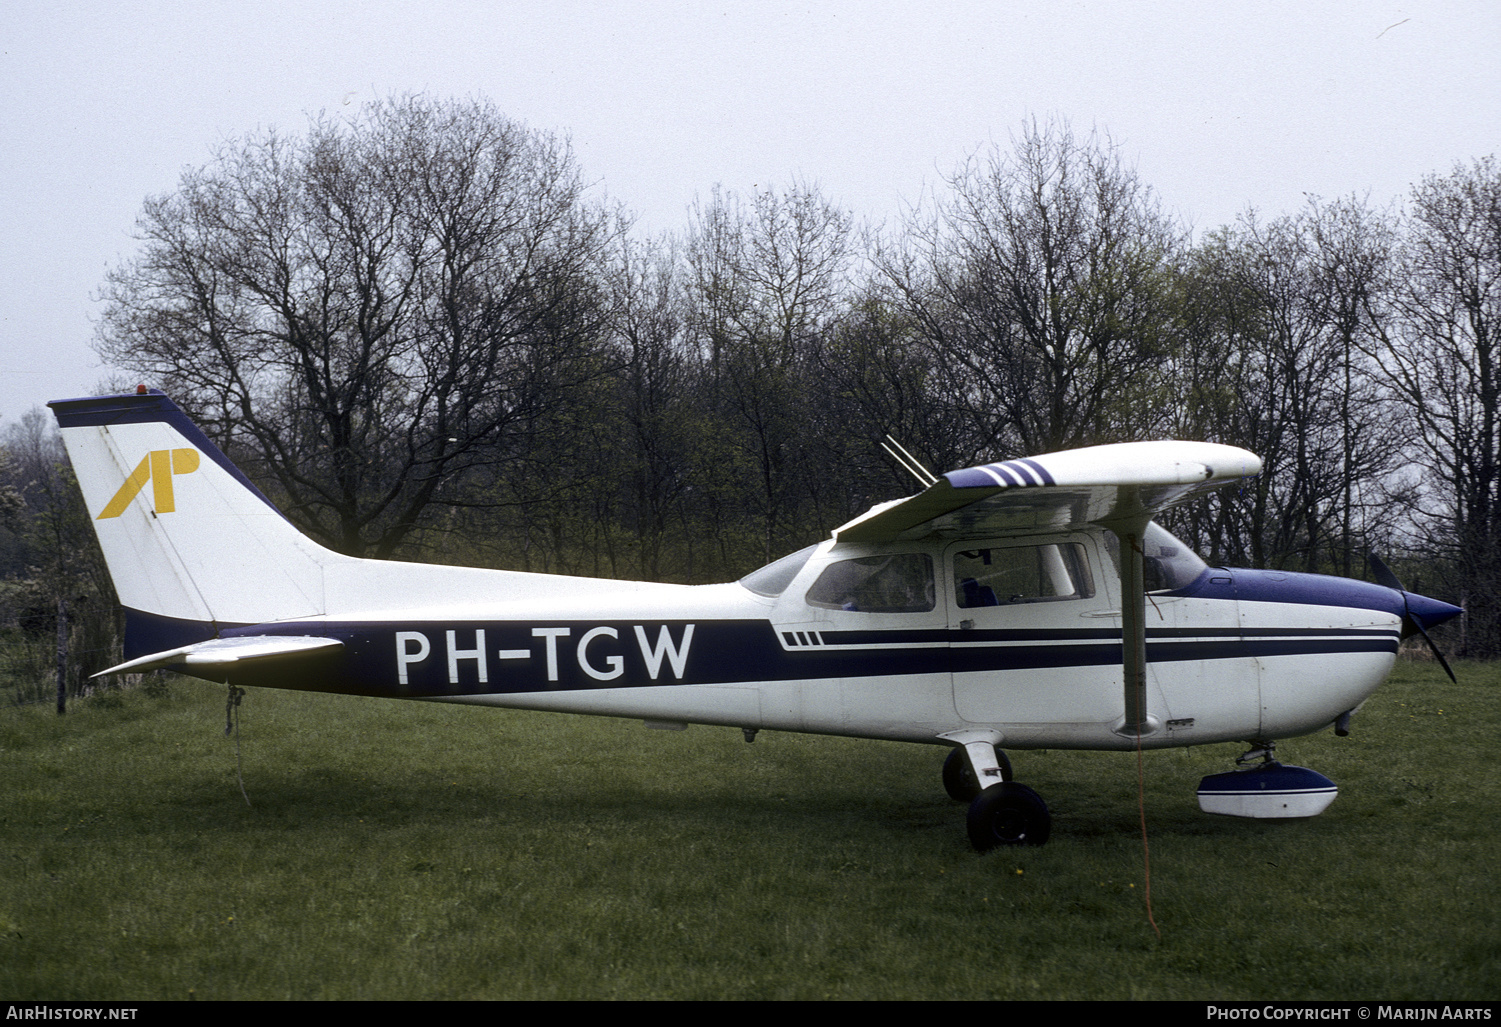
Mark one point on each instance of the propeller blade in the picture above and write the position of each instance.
(1384, 576)
(1437, 652)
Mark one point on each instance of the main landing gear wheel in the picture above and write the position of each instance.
(959, 777)
(1008, 814)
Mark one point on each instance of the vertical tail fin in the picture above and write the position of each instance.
(191, 544)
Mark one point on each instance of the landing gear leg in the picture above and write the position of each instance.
(959, 778)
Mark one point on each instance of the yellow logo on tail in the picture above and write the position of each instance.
(157, 467)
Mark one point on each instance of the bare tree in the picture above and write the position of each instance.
(1275, 317)
(61, 587)
(650, 323)
(1039, 285)
(1443, 358)
(876, 378)
(765, 283)
(368, 313)
(1352, 246)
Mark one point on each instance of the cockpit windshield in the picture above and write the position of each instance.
(1170, 564)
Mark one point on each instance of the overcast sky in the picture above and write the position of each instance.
(1220, 106)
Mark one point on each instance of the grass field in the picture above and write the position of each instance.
(415, 851)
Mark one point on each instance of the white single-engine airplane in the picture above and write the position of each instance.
(984, 612)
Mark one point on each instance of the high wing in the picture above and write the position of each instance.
(1120, 487)
(1125, 483)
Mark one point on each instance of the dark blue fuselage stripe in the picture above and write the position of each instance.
(729, 652)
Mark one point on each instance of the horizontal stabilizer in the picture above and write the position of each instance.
(226, 653)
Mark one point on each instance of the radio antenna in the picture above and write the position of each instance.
(909, 463)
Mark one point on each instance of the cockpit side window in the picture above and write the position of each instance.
(1021, 574)
(902, 583)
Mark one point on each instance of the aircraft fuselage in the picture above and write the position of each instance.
(1233, 655)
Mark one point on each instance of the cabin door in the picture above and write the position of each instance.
(1034, 636)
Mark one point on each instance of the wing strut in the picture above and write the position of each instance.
(1130, 530)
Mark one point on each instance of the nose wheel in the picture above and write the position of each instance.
(1263, 788)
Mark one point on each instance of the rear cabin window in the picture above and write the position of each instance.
(773, 579)
(876, 584)
(1021, 574)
